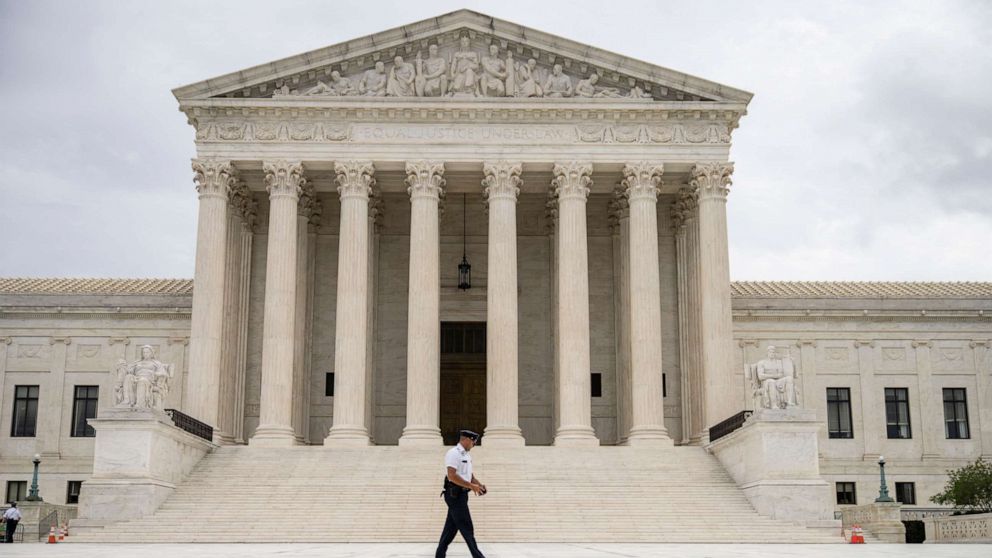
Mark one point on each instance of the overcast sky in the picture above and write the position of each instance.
(866, 153)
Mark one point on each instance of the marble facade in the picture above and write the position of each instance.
(594, 191)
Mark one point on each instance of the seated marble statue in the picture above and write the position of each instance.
(144, 383)
(373, 82)
(464, 71)
(492, 83)
(558, 84)
(776, 376)
(526, 81)
(401, 79)
(342, 86)
(432, 74)
(588, 88)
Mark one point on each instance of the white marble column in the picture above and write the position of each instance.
(224, 430)
(283, 180)
(375, 219)
(214, 179)
(698, 400)
(647, 428)
(928, 430)
(355, 181)
(248, 208)
(425, 183)
(301, 376)
(551, 214)
(679, 216)
(620, 218)
(501, 188)
(711, 182)
(571, 183)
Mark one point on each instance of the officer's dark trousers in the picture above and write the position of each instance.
(459, 521)
(11, 529)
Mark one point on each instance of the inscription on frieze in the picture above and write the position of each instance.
(457, 134)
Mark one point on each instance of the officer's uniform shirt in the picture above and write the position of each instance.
(12, 513)
(460, 460)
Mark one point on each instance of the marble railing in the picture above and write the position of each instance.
(975, 528)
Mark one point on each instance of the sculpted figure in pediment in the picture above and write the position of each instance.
(373, 82)
(558, 84)
(342, 85)
(401, 78)
(494, 74)
(432, 74)
(526, 80)
(588, 88)
(465, 71)
(637, 93)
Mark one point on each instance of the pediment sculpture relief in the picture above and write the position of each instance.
(144, 383)
(464, 73)
(773, 381)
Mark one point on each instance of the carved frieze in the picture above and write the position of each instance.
(465, 69)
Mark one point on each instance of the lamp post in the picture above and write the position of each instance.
(883, 490)
(33, 495)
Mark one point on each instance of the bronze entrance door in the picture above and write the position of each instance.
(463, 378)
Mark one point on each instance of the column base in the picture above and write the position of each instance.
(649, 437)
(421, 436)
(273, 436)
(347, 437)
(576, 437)
(224, 439)
(503, 437)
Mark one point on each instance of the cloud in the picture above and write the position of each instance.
(866, 153)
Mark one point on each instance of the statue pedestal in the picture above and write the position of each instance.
(774, 459)
(138, 459)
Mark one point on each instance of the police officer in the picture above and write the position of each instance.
(458, 481)
(12, 517)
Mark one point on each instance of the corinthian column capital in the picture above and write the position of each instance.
(355, 178)
(214, 177)
(711, 179)
(502, 180)
(642, 179)
(682, 209)
(283, 178)
(425, 179)
(572, 180)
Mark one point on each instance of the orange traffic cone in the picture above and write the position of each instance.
(51, 535)
(857, 535)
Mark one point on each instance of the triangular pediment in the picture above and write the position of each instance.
(475, 56)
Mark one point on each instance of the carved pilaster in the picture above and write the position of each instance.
(425, 179)
(711, 179)
(572, 180)
(619, 208)
(682, 210)
(214, 177)
(283, 178)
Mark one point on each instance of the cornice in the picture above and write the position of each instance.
(976, 316)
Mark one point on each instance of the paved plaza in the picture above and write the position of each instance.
(500, 550)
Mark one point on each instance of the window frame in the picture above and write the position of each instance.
(894, 405)
(69, 495)
(19, 427)
(835, 407)
(853, 492)
(912, 492)
(957, 420)
(84, 430)
(23, 494)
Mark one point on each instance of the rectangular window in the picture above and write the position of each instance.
(597, 384)
(956, 414)
(839, 413)
(25, 420)
(84, 404)
(846, 494)
(329, 384)
(16, 491)
(906, 493)
(72, 492)
(664, 385)
(897, 413)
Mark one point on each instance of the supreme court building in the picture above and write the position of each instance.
(466, 223)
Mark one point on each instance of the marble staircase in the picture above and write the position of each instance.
(537, 494)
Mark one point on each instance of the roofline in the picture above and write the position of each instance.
(443, 23)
